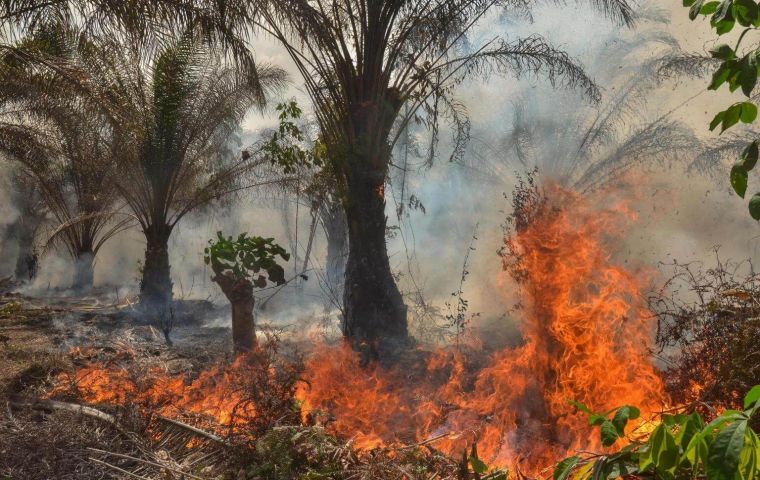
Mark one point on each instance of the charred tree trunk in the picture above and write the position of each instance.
(156, 283)
(336, 232)
(375, 314)
(27, 259)
(84, 271)
(239, 291)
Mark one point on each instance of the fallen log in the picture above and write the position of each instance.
(51, 405)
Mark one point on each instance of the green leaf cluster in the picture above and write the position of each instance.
(247, 258)
(738, 69)
(681, 446)
(480, 470)
(284, 148)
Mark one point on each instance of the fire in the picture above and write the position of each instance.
(585, 331)
(585, 336)
(216, 393)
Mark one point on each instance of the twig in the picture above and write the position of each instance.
(147, 462)
(118, 469)
(424, 442)
(71, 407)
(10, 416)
(195, 430)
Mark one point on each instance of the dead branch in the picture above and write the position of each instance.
(147, 462)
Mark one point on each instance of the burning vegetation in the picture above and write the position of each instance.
(585, 330)
(120, 116)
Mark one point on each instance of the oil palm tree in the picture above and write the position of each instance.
(369, 67)
(170, 109)
(64, 147)
(586, 146)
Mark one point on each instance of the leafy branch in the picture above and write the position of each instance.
(738, 69)
(680, 446)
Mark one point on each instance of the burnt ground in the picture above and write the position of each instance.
(42, 337)
(39, 338)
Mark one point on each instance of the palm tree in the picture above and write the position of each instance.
(170, 108)
(586, 146)
(365, 62)
(64, 147)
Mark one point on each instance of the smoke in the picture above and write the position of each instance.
(680, 216)
(8, 215)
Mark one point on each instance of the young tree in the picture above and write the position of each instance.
(239, 265)
(736, 67)
(363, 62)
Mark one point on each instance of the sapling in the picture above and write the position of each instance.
(239, 266)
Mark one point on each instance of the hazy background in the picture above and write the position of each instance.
(681, 215)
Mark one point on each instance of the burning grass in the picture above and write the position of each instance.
(585, 333)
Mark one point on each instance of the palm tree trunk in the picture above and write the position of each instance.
(84, 270)
(156, 283)
(26, 260)
(375, 315)
(336, 232)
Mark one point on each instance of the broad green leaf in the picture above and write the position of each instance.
(478, 466)
(732, 117)
(717, 120)
(747, 78)
(696, 7)
(696, 451)
(723, 52)
(752, 396)
(749, 156)
(739, 179)
(748, 110)
(745, 12)
(754, 206)
(645, 457)
(723, 19)
(563, 468)
(725, 450)
(596, 419)
(609, 433)
(622, 416)
(709, 8)
(580, 406)
(583, 472)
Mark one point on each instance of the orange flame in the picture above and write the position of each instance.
(585, 337)
(586, 333)
(216, 393)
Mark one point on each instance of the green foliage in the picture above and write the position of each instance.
(284, 147)
(738, 70)
(473, 467)
(246, 258)
(681, 446)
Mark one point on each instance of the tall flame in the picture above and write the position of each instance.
(585, 336)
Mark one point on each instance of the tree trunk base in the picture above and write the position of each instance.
(239, 291)
(156, 283)
(84, 272)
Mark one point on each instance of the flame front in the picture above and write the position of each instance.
(585, 336)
